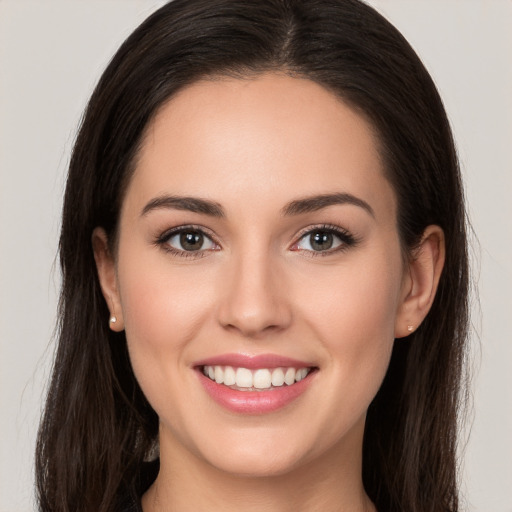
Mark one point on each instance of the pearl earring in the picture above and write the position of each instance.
(113, 319)
(409, 328)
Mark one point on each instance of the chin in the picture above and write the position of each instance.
(256, 465)
(250, 452)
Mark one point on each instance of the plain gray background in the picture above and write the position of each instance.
(51, 54)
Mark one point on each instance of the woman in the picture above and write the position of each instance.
(265, 271)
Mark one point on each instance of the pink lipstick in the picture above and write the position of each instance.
(254, 384)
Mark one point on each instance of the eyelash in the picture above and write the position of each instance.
(163, 241)
(346, 239)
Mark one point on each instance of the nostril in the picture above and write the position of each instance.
(253, 302)
(252, 329)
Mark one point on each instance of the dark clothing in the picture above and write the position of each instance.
(131, 500)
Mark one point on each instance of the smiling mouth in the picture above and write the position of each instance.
(260, 379)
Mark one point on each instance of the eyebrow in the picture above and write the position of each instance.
(318, 202)
(296, 207)
(191, 204)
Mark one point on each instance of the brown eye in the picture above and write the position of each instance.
(321, 240)
(189, 240)
(325, 240)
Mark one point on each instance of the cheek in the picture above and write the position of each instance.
(158, 299)
(359, 299)
(355, 322)
(163, 311)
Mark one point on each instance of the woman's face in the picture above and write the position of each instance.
(258, 244)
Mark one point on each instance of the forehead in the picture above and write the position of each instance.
(230, 138)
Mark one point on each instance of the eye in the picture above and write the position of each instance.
(187, 240)
(324, 240)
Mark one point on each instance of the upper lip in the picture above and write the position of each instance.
(252, 361)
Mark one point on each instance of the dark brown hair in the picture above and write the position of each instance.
(98, 427)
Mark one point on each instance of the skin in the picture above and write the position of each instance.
(253, 146)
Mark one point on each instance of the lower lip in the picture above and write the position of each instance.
(254, 402)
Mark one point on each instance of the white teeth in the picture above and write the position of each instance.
(229, 376)
(262, 378)
(219, 375)
(244, 378)
(289, 376)
(300, 374)
(277, 377)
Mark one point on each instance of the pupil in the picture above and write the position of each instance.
(191, 241)
(321, 241)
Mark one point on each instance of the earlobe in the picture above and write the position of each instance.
(421, 282)
(105, 266)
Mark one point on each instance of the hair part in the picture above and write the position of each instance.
(97, 426)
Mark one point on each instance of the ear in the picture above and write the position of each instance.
(421, 281)
(105, 265)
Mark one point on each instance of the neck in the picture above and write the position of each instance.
(324, 485)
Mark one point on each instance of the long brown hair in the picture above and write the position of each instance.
(98, 427)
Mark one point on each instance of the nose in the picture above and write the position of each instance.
(255, 300)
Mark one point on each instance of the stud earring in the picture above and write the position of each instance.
(113, 319)
(410, 328)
